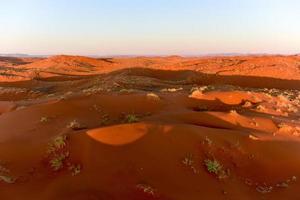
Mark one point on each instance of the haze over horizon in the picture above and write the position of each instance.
(157, 27)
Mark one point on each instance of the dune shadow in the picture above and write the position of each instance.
(120, 134)
(183, 77)
(196, 77)
(14, 61)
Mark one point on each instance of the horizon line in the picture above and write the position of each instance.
(147, 55)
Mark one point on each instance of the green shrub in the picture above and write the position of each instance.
(213, 166)
(131, 118)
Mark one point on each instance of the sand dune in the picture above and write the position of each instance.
(169, 128)
(283, 67)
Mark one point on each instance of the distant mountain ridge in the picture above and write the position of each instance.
(20, 55)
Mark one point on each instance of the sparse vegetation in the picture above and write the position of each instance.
(124, 90)
(172, 89)
(188, 161)
(92, 90)
(7, 179)
(75, 169)
(200, 89)
(204, 145)
(57, 161)
(261, 108)
(57, 143)
(75, 125)
(97, 108)
(147, 189)
(233, 112)
(207, 141)
(131, 118)
(282, 185)
(264, 189)
(104, 119)
(5, 175)
(254, 122)
(57, 152)
(3, 169)
(58, 156)
(213, 166)
(153, 96)
(253, 137)
(44, 119)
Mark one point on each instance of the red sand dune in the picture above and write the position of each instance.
(168, 128)
(284, 67)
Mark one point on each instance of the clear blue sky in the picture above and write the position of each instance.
(185, 27)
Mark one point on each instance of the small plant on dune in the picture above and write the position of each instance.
(75, 169)
(44, 119)
(201, 89)
(104, 119)
(131, 118)
(3, 169)
(264, 189)
(261, 108)
(75, 125)
(188, 160)
(57, 143)
(7, 179)
(60, 141)
(153, 96)
(213, 166)
(4, 175)
(233, 112)
(123, 90)
(57, 152)
(207, 141)
(282, 125)
(171, 89)
(147, 189)
(58, 156)
(253, 137)
(57, 161)
(97, 108)
(247, 104)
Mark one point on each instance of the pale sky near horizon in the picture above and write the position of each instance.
(149, 27)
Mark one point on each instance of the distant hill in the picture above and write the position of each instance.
(22, 55)
(25, 67)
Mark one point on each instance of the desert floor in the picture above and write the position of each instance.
(166, 128)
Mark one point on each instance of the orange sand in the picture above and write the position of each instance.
(144, 128)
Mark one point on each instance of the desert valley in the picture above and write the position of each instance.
(142, 128)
